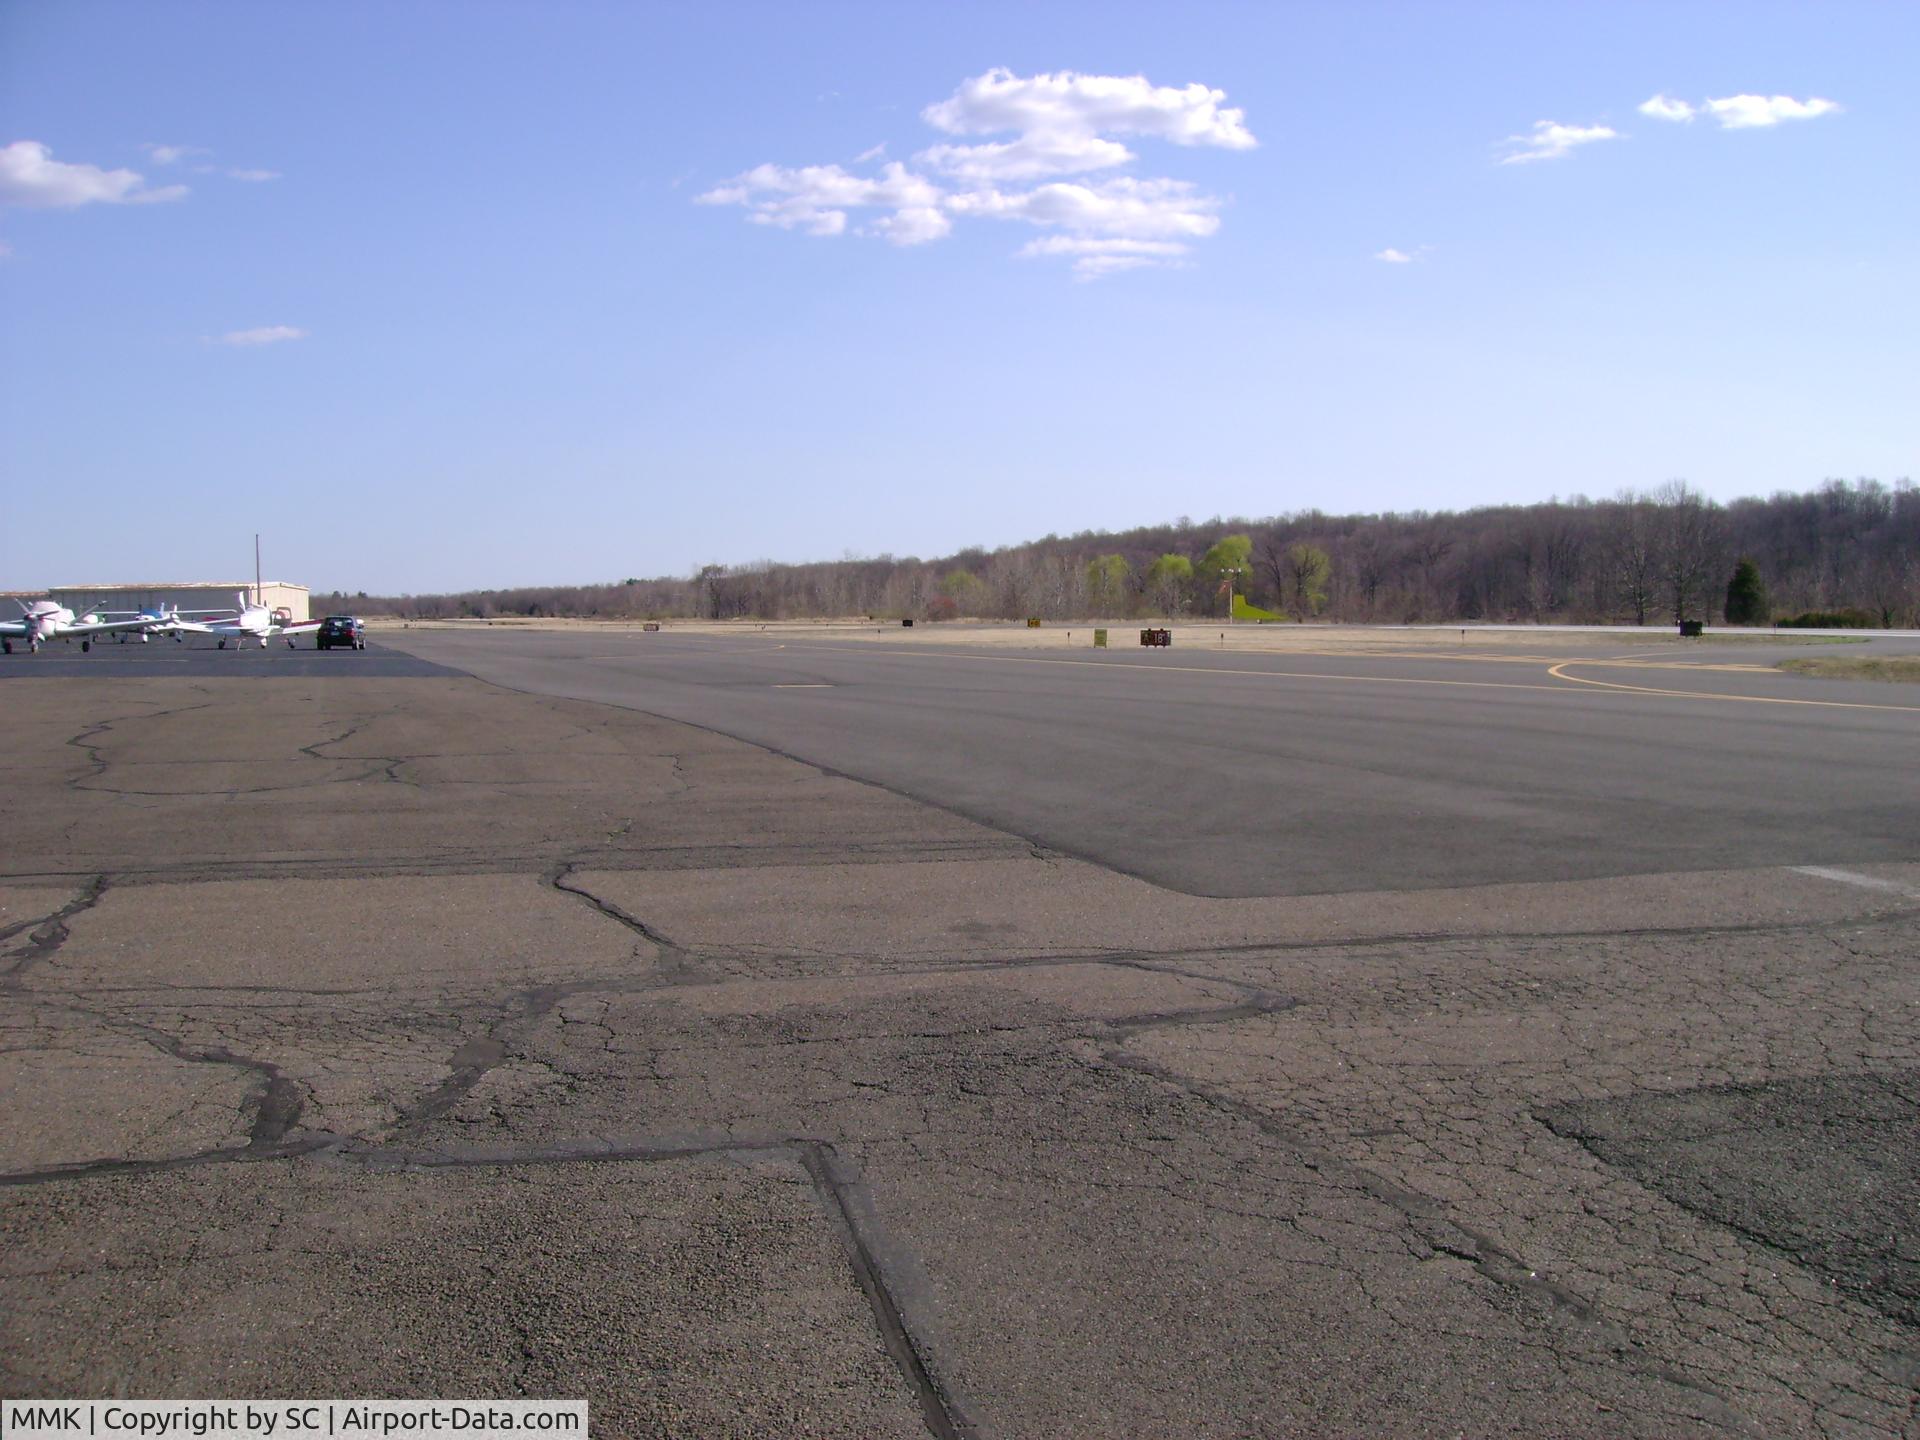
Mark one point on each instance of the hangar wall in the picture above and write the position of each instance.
(191, 597)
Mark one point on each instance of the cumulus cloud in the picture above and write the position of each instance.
(1751, 112)
(170, 154)
(1067, 103)
(913, 225)
(1031, 157)
(1740, 112)
(1660, 107)
(262, 335)
(1393, 256)
(31, 178)
(1120, 208)
(1093, 257)
(1551, 140)
(174, 154)
(816, 198)
(1060, 119)
(1061, 125)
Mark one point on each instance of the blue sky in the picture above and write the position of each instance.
(498, 339)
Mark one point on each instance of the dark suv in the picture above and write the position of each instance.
(347, 630)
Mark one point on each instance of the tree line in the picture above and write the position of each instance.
(1848, 550)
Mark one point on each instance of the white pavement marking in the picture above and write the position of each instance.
(1854, 877)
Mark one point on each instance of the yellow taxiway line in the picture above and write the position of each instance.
(1555, 670)
(1560, 672)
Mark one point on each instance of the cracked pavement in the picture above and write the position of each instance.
(410, 1036)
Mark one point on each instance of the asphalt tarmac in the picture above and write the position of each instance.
(64, 660)
(1243, 774)
(366, 1034)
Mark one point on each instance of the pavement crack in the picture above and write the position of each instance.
(673, 957)
(219, 1155)
(84, 741)
(837, 1185)
(1430, 1220)
(49, 934)
(835, 1181)
(1203, 1015)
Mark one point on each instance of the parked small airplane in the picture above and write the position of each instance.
(46, 620)
(250, 622)
(160, 621)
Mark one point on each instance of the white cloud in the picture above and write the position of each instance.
(1749, 112)
(1095, 267)
(1120, 208)
(31, 178)
(1031, 157)
(1551, 140)
(1393, 256)
(1060, 120)
(816, 198)
(1740, 112)
(1660, 107)
(913, 225)
(1061, 124)
(1093, 257)
(174, 154)
(1086, 245)
(170, 154)
(877, 152)
(263, 335)
(1067, 103)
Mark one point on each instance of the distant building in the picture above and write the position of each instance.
(190, 597)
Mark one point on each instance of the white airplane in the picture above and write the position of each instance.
(158, 620)
(250, 622)
(46, 620)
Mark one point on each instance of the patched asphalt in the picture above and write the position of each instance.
(413, 1036)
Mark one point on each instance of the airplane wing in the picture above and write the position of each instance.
(105, 627)
(13, 627)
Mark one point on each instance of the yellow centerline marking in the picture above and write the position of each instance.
(1560, 672)
(1557, 671)
(1196, 669)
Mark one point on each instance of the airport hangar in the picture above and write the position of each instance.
(190, 597)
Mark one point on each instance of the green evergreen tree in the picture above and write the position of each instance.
(1746, 595)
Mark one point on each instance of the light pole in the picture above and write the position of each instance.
(1233, 573)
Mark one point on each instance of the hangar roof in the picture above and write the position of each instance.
(180, 585)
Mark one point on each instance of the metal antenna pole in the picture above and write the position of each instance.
(257, 587)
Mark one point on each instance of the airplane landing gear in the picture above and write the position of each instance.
(223, 644)
(6, 647)
(85, 645)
